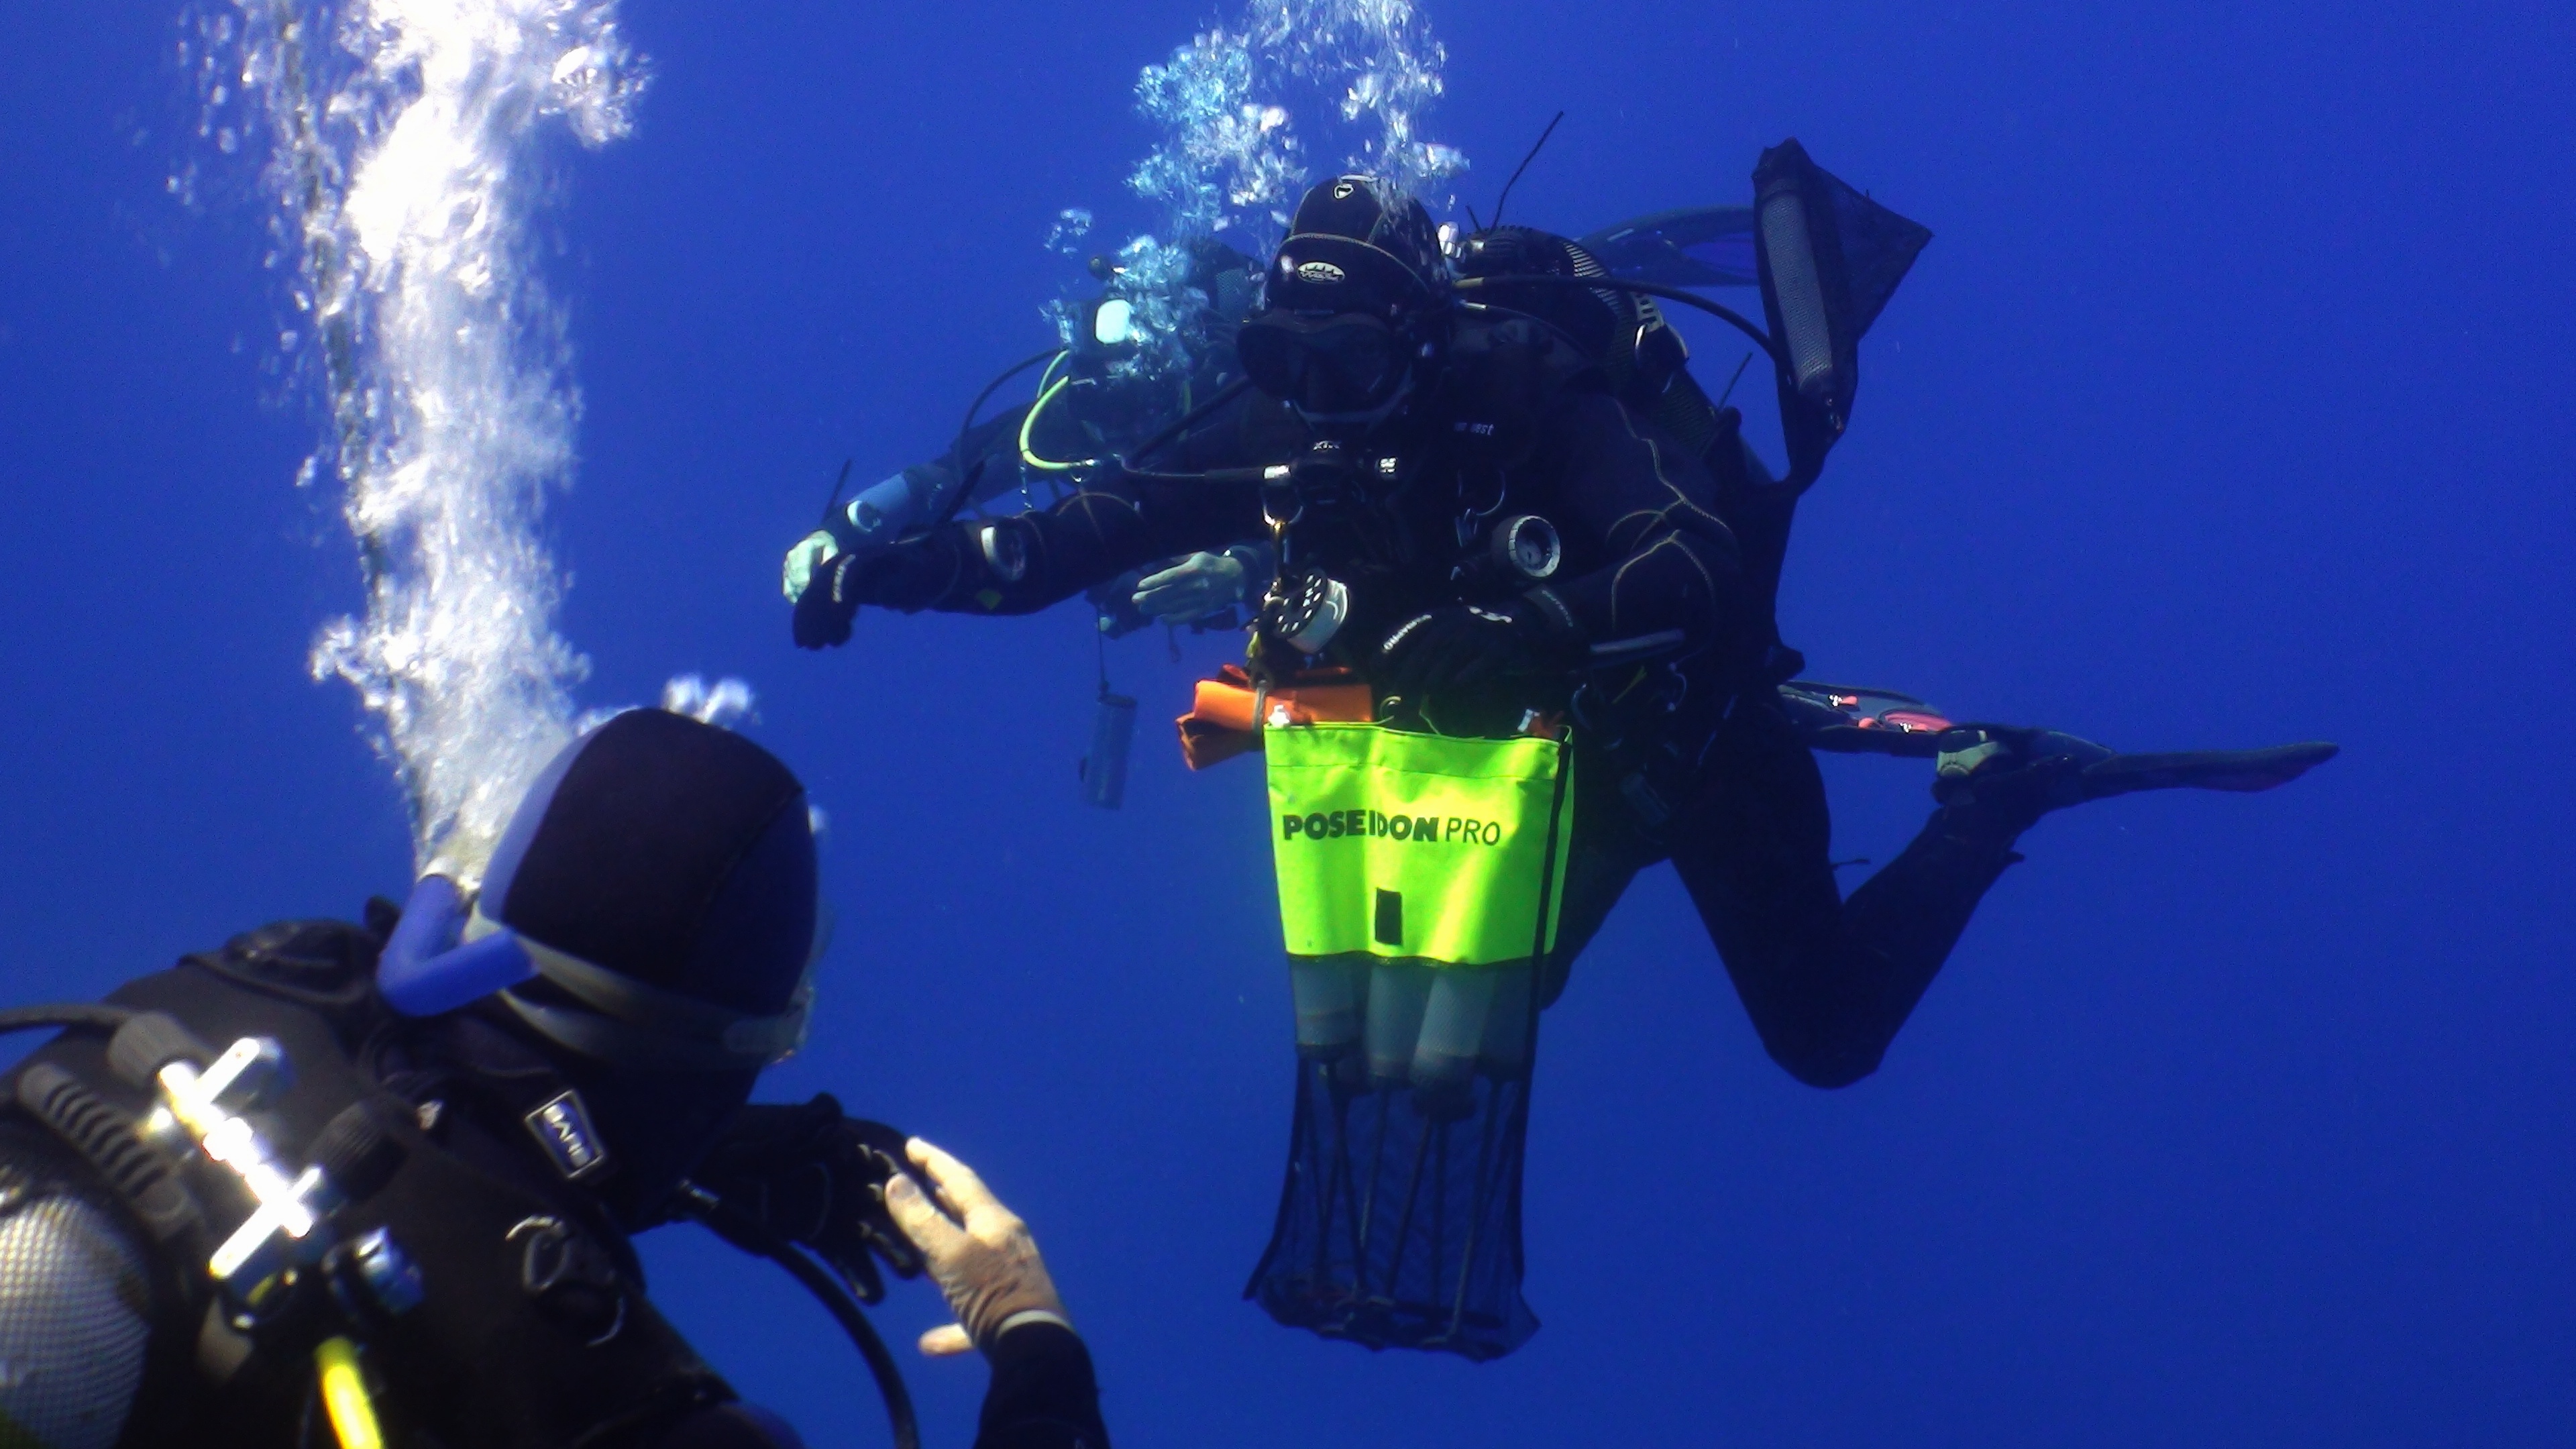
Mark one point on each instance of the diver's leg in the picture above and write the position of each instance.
(1827, 982)
(1751, 848)
(1604, 851)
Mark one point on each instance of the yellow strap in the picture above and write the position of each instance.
(344, 1395)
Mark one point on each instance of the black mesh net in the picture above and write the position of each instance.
(1878, 247)
(1400, 1223)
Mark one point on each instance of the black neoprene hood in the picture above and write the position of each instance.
(670, 851)
(1353, 247)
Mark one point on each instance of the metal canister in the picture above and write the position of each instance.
(1104, 770)
(1398, 992)
(1453, 1027)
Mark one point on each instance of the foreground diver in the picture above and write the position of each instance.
(325, 1183)
(1523, 616)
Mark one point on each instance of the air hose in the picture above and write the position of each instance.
(752, 1236)
(1028, 429)
(966, 476)
(67, 1016)
(1192, 418)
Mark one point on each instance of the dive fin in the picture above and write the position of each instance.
(2239, 770)
(1829, 258)
(1858, 720)
(1852, 719)
(1696, 246)
(2053, 770)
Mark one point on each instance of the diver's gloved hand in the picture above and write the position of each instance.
(1194, 588)
(910, 575)
(830, 601)
(1458, 645)
(809, 554)
(817, 1178)
(980, 1253)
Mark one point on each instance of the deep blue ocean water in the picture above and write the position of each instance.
(2231, 405)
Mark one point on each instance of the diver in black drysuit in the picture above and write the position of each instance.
(1108, 391)
(1411, 420)
(660, 883)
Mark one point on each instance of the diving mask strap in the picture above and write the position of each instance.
(632, 1023)
(435, 964)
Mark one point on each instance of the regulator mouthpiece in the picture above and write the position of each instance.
(425, 972)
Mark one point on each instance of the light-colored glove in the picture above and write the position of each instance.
(1194, 588)
(807, 556)
(980, 1253)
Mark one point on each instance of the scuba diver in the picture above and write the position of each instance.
(1136, 358)
(1521, 644)
(375, 1183)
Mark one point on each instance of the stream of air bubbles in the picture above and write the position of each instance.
(411, 144)
(1245, 111)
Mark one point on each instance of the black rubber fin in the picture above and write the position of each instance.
(2238, 770)
(1696, 246)
(1853, 719)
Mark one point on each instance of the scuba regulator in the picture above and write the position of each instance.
(1305, 607)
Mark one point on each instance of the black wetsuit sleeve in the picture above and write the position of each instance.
(1664, 560)
(1043, 1394)
(1032, 560)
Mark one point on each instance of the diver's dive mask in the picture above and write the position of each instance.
(652, 904)
(447, 953)
(1330, 367)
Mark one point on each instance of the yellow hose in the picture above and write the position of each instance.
(1029, 425)
(344, 1395)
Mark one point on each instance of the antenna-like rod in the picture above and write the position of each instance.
(1524, 166)
(837, 485)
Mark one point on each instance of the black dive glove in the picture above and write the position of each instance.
(1457, 646)
(816, 1178)
(830, 602)
(841, 586)
(909, 575)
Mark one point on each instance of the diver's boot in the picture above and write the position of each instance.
(1900, 925)
(1993, 782)
(1997, 780)
(2006, 776)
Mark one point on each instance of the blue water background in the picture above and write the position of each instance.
(2230, 406)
